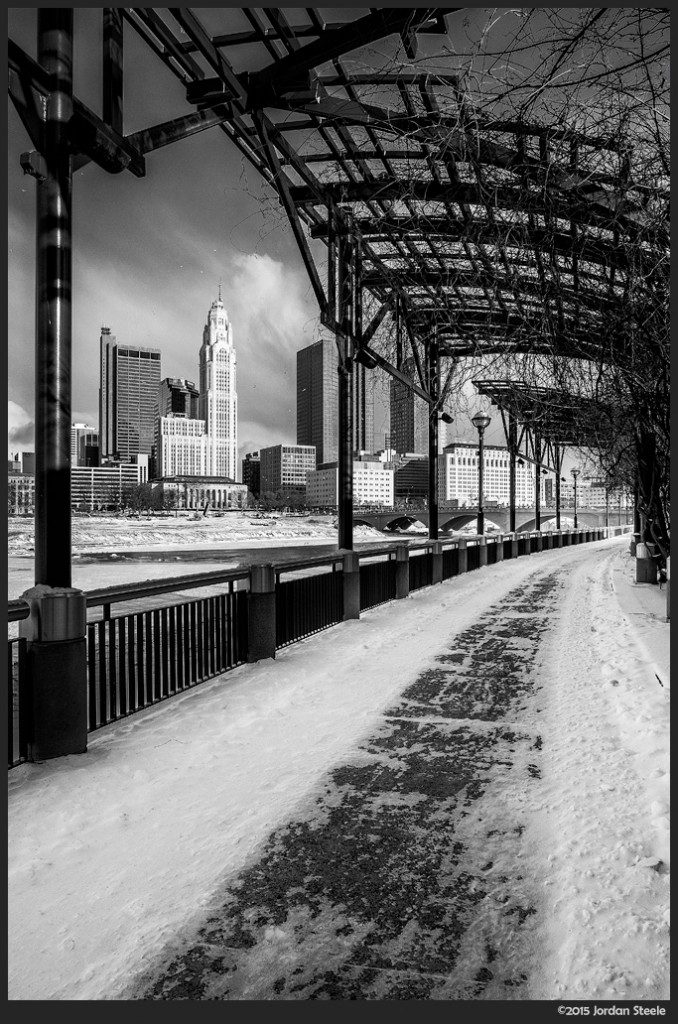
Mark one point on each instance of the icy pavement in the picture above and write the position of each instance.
(460, 795)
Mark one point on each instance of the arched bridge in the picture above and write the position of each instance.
(456, 519)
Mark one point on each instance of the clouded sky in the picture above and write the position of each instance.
(149, 255)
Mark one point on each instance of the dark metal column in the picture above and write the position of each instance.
(559, 463)
(433, 383)
(344, 369)
(537, 481)
(53, 309)
(513, 444)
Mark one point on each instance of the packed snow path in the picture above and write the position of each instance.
(491, 838)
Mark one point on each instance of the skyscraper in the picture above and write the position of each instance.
(318, 402)
(178, 397)
(409, 417)
(128, 398)
(218, 404)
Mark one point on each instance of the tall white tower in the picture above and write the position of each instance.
(218, 403)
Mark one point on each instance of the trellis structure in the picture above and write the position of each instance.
(446, 233)
(539, 424)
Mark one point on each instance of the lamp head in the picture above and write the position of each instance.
(446, 418)
(480, 421)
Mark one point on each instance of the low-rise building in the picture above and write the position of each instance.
(283, 467)
(372, 484)
(202, 492)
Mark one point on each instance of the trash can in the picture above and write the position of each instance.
(646, 565)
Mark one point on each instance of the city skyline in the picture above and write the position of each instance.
(149, 254)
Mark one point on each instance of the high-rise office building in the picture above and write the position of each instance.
(180, 439)
(128, 398)
(318, 402)
(178, 397)
(251, 472)
(84, 438)
(218, 404)
(409, 416)
(283, 467)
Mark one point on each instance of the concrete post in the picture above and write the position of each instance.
(558, 539)
(57, 671)
(261, 613)
(463, 555)
(351, 577)
(437, 562)
(515, 547)
(482, 552)
(500, 547)
(402, 571)
(668, 589)
(539, 546)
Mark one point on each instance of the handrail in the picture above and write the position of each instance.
(17, 610)
(132, 591)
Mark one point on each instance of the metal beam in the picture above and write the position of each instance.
(283, 185)
(268, 83)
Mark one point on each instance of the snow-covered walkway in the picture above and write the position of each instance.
(460, 795)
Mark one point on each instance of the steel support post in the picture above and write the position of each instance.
(345, 396)
(558, 468)
(513, 444)
(537, 481)
(53, 309)
(433, 381)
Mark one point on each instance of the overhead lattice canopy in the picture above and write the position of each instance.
(499, 234)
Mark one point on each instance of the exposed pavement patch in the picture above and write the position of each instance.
(391, 885)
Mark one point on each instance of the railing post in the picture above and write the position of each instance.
(351, 577)
(500, 548)
(402, 573)
(261, 613)
(436, 562)
(463, 555)
(482, 552)
(56, 663)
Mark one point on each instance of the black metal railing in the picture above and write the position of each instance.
(307, 605)
(18, 692)
(144, 655)
(450, 562)
(377, 583)
(140, 658)
(421, 571)
(472, 557)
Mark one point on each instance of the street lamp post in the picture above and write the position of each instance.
(575, 474)
(481, 422)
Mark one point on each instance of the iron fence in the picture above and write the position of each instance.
(450, 562)
(144, 654)
(377, 583)
(137, 659)
(421, 571)
(307, 605)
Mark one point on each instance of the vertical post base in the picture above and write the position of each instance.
(351, 579)
(482, 552)
(463, 555)
(261, 616)
(402, 573)
(57, 671)
(437, 562)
